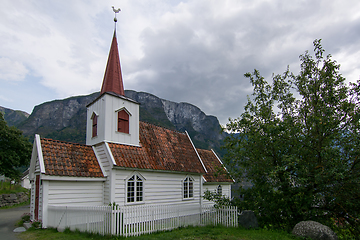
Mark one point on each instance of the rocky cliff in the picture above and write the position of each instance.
(59, 119)
(13, 117)
(204, 130)
(66, 119)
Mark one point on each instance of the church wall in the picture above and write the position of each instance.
(37, 166)
(79, 193)
(41, 196)
(32, 192)
(32, 200)
(212, 187)
(159, 188)
(227, 190)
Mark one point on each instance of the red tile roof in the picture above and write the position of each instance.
(216, 171)
(112, 81)
(161, 149)
(69, 159)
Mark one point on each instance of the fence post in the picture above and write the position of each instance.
(87, 220)
(112, 225)
(66, 220)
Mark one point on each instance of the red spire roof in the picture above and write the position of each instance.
(112, 78)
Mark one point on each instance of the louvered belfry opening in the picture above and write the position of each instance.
(123, 121)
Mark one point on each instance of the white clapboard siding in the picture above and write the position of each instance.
(159, 187)
(115, 104)
(32, 200)
(41, 197)
(34, 169)
(106, 163)
(106, 108)
(102, 157)
(75, 193)
(107, 192)
(212, 187)
(37, 166)
(227, 190)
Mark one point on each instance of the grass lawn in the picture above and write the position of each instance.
(8, 188)
(188, 233)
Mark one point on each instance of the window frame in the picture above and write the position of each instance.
(94, 125)
(188, 188)
(138, 182)
(219, 190)
(123, 121)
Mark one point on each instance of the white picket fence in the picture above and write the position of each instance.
(137, 220)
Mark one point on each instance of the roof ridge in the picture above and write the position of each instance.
(61, 141)
(203, 149)
(162, 127)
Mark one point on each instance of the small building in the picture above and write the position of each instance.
(124, 161)
(24, 180)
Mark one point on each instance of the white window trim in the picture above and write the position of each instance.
(143, 189)
(123, 108)
(183, 190)
(116, 120)
(97, 124)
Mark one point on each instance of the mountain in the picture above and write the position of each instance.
(13, 117)
(66, 119)
(59, 119)
(205, 130)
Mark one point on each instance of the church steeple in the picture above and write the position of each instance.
(113, 117)
(112, 81)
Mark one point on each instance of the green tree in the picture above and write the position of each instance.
(298, 143)
(15, 150)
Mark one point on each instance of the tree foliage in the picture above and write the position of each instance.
(218, 199)
(15, 150)
(298, 143)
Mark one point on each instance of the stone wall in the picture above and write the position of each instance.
(12, 199)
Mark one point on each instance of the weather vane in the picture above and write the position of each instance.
(116, 11)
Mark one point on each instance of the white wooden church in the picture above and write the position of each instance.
(124, 161)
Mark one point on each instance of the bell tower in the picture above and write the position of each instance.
(113, 117)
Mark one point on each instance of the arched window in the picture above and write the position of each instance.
(123, 121)
(94, 118)
(135, 188)
(188, 188)
(219, 190)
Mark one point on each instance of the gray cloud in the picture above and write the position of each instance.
(201, 59)
(184, 51)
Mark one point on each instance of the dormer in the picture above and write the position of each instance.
(113, 117)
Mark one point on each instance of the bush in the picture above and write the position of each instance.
(36, 224)
(25, 217)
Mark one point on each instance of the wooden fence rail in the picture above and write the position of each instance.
(137, 220)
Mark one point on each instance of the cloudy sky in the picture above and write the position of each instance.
(194, 51)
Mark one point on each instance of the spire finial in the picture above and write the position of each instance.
(116, 11)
